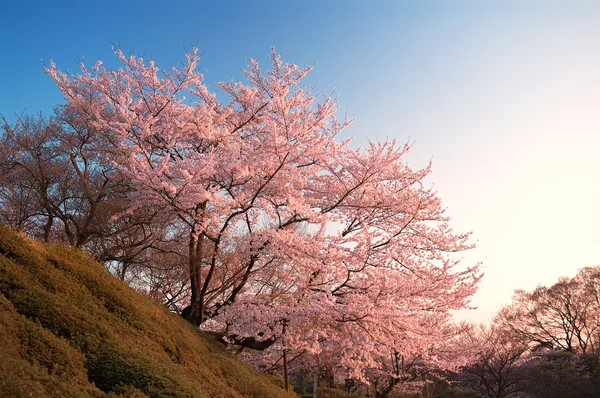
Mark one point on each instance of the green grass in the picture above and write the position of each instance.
(70, 329)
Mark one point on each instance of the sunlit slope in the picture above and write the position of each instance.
(69, 329)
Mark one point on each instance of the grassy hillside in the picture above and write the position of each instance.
(69, 329)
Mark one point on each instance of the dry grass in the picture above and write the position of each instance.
(70, 329)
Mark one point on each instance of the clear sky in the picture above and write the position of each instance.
(503, 96)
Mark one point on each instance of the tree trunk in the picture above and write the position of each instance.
(285, 367)
(124, 267)
(285, 370)
(194, 262)
(48, 228)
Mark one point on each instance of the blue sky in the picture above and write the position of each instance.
(504, 96)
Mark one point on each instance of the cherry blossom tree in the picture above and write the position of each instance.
(293, 236)
(411, 369)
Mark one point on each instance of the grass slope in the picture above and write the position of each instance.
(70, 329)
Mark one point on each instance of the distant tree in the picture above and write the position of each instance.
(496, 371)
(563, 316)
(561, 374)
(545, 343)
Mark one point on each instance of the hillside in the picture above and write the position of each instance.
(70, 329)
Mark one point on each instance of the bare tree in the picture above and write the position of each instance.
(563, 316)
(57, 184)
(496, 372)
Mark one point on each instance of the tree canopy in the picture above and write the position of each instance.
(292, 239)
